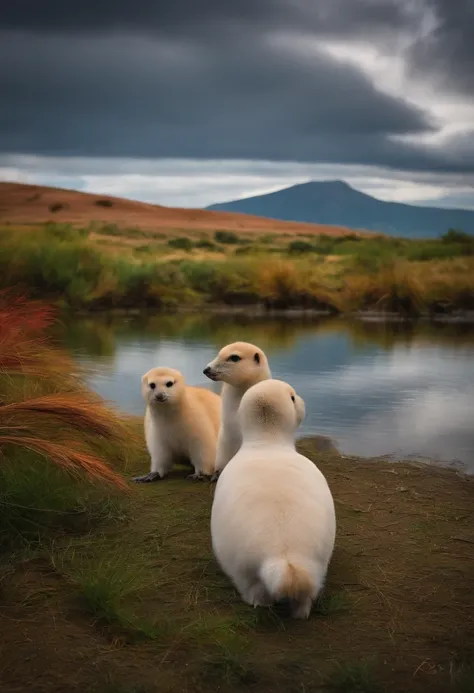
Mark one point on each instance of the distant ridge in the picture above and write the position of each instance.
(337, 203)
(21, 203)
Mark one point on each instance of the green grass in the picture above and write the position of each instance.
(328, 605)
(105, 584)
(353, 678)
(38, 501)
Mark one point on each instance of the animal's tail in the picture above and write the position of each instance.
(284, 578)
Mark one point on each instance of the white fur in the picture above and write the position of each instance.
(273, 521)
(237, 378)
(181, 423)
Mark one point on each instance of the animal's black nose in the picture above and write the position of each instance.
(207, 370)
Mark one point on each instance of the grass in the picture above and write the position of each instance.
(56, 437)
(139, 269)
(353, 678)
(104, 585)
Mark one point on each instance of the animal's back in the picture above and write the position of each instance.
(275, 503)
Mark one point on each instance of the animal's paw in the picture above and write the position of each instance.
(151, 476)
(197, 476)
(301, 610)
(214, 477)
(257, 596)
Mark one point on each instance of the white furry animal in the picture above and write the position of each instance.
(180, 422)
(273, 523)
(239, 365)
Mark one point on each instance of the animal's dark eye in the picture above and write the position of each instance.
(292, 398)
(169, 383)
(234, 358)
(152, 386)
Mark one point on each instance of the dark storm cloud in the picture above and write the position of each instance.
(193, 16)
(208, 79)
(447, 52)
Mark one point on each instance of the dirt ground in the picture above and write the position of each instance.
(30, 204)
(398, 614)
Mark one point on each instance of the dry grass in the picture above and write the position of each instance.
(32, 204)
(44, 408)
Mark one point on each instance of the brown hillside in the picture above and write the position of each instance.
(33, 204)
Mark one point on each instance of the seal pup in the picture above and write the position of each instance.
(273, 522)
(239, 366)
(180, 422)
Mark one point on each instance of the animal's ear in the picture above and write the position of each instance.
(143, 379)
(256, 357)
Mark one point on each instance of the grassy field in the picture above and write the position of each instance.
(110, 587)
(106, 266)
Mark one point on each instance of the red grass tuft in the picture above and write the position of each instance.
(63, 420)
(67, 456)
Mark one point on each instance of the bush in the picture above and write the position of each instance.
(104, 203)
(206, 245)
(455, 236)
(300, 247)
(227, 237)
(181, 243)
(56, 207)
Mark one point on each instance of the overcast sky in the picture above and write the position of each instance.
(190, 102)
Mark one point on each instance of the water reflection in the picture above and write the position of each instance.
(376, 389)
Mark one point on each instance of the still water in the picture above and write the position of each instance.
(376, 389)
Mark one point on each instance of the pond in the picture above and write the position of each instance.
(377, 389)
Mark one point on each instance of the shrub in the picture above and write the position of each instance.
(455, 236)
(104, 203)
(300, 247)
(181, 243)
(227, 237)
(56, 207)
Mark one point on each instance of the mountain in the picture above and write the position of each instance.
(34, 204)
(336, 202)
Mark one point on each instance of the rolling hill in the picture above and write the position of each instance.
(33, 204)
(336, 202)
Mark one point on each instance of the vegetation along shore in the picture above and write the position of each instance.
(105, 267)
(112, 587)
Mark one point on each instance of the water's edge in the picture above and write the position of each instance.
(258, 311)
(321, 445)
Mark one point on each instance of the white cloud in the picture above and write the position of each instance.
(196, 183)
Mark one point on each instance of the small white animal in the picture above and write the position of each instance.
(181, 422)
(273, 523)
(239, 365)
